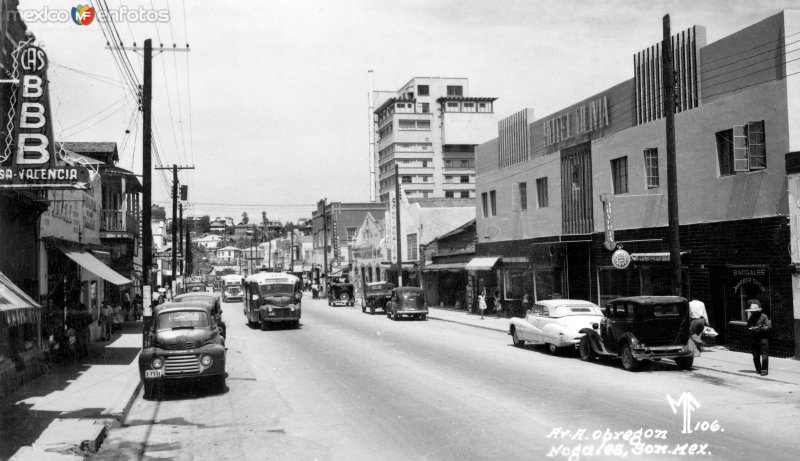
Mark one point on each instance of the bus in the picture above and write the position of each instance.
(272, 297)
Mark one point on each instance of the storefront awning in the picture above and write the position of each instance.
(661, 257)
(95, 266)
(484, 263)
(16, 307)
(445, 267)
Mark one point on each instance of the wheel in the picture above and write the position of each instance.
(363, 307)
(296, 324)
(684, 363)
(371, 310)
(629, 362)
(515, 339)
(553, 349)
(345, 298)
(264, 325)
(329, 301)
(423, 317)
(586, 350)
(395, 317)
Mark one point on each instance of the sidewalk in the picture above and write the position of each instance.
(717, 358)
(64, 413)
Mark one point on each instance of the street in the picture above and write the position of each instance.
(352, 386)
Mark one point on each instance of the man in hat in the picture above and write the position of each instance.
(759, 325)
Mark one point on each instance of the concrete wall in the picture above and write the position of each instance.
(468, 127)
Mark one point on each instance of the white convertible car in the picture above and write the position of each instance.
(555, 322)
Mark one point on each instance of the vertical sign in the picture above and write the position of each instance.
(390, 236)
(336, 252)
(608, 219)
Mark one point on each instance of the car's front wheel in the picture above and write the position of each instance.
(553, 349)
(585, 349)
(684, 363)
(395, 316)
(629, 362)
(264, 325)
(515, 339)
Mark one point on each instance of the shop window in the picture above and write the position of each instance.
(743, 285)
(651, 168)
(619, 175)
(514, 282)
(617, 283)
(547, 284)
(541, 193)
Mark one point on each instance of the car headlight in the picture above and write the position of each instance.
(206, 360)
(269, 309)
(291, 308)
(157, 362)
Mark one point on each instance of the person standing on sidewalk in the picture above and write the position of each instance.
(759, 326)
(482, 302)
(106, 321)
(498, 306)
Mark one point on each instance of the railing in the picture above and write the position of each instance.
(118, 221)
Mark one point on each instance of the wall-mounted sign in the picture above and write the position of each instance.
(620, 259)
(336, 252)
(585, 119)
(31, 163)
(608, 202)
(390, 230)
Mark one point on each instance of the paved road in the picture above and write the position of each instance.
(350, 386)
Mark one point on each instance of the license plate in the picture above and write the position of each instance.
(153, 373)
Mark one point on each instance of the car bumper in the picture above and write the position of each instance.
(179, 364)
(279, 314)
(412, 312)
(661, 352)
(232, 299)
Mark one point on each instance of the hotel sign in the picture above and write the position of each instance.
(608, 219)
(31, 163)
(585, 119)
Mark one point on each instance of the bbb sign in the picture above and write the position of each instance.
(33, 143)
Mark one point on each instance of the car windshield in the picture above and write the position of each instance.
(411, 298)
(233, 291)
(274, 289)
(181, 319)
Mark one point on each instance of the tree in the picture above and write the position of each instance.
(264, 220)
(204, 224)
(157, 212)
(245, 219)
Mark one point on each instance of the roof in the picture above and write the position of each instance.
(465, 98)
(271, 277)
(103, 151)
(229, 248)
(457, 230)
(117, 171)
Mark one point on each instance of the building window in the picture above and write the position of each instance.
(742, 148)
(448, 194)
(541, 193)
(493, 202)
(406, 179)
(523, 196)
(423, 90)
(409, 125)
(351, 234)
(465, 163)
(455, 90)
(469, 107)
(485, 203)
(464, 179)
(452, 107)
(619, 175)
(464, 194)
(424, 164)
(651, 167)
(484, 107)
(425, 107)
(411, 246)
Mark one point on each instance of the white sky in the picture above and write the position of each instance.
(278, 89)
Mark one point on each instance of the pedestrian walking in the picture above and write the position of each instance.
(117, 319)
(314, 291)
(482, 302)
(105, 321)
(498, 306)
(759, 326)
(126, 304)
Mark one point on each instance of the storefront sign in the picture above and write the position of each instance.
(336, 251)
(73, 215)
(608, 202)
(620, 259)
(586, 118)
(390, 229)
(31, 162)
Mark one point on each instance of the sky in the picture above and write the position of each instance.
(270, 106)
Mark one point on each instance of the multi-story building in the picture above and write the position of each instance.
(429, 128)
(558, 196)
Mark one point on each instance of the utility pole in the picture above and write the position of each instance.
(325, 240)
(174, 169)
(397, 224)
(672, 179)
(147, 167)
(291, 244)
(180, 235)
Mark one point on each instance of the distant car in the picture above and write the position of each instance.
(376, 295)
(339, 292)
(194, 287)
(555, 323)
(639, 329)
(407, 302)
(232, 294)
(186, 344)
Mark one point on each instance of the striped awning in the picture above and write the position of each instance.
(16, 307)
(483, 263)
(95, 266)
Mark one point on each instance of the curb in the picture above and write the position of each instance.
(467, 324)
(129, 405)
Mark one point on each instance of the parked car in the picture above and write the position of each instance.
(640, 329)
(376, 295)
(555, 323)
(186, 344)
(211, 298)
(340, 292)
(232, 294)
(407, 302)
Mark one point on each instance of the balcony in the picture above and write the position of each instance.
(118, 224)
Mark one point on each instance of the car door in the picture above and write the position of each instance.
(527, 329)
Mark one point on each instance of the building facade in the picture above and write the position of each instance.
(592, 180)
(429, 128)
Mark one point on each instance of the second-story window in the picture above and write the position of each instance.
(406, 179)
(485, 203)
(742, 148)
(425, 107)
(651, 168)
(464, 179)
(423, 90)
(541, 193)
(455, 90)
(619, 175)
(493, 202)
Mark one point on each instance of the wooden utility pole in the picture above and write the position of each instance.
(325, 239)
(291, 244)
(175, 169)
(180, 234)
(147, 167)
(672, 178)
(397, 224)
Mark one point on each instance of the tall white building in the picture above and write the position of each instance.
(430, 128)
